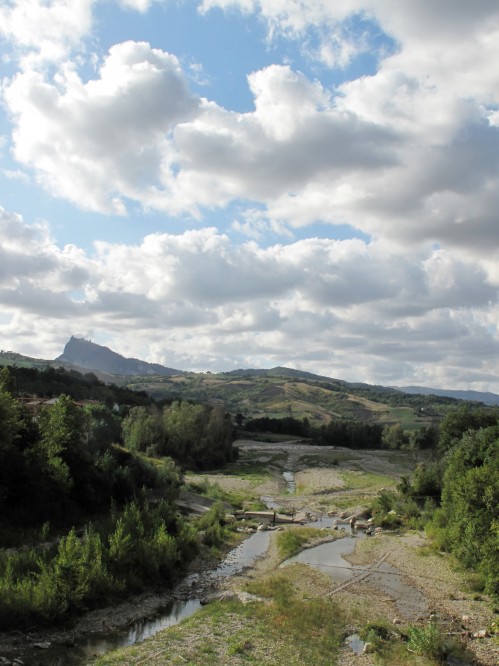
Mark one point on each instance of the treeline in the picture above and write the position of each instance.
(358, 435)
(52, 382)
(455, 494)
(350, 434)
(287, 425)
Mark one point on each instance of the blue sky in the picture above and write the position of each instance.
(248, 183)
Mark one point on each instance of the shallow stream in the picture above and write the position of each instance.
(173, 612)
(327, 557)
(387, 579)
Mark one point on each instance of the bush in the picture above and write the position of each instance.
(427, 642)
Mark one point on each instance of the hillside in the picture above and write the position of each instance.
(254, 393)
(265, 394)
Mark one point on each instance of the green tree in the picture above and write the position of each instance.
(11, 424)
(143, 430)
(61, 428)
(470, 502)
(103, 427)
(461, 420)
(394, 437)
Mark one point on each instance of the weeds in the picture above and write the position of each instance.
(291, 541)
(427, 642)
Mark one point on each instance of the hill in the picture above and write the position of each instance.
(278, 392)
(91, 356)
(477, 396)
(270, 394)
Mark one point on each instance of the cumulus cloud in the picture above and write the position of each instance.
(407, 156)
(202, 302)
(95, 143)
(45, 31)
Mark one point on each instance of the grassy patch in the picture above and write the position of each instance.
(326, 458)
(202, 486)
(291, 541)
(287, 630)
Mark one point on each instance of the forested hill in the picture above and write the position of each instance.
(50, 382)
(278, 392)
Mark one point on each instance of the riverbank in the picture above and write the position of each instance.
(232, 631)
(239, 629)
(256, 619)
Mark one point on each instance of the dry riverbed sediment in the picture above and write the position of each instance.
(327, 480)
(231, 632)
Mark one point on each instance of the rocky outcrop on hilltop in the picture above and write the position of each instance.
(92, 356)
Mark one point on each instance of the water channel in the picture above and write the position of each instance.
(327, 557)
(173, 612)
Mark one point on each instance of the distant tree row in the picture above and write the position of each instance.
(51, 382)
(287, 425)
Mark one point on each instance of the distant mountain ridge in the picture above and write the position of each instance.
(486, 397)
(89, 355)
(84, 355)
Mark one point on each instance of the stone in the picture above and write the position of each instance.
(482, 633)
(396, 620)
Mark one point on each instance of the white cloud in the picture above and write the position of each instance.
(45, 30)
(407, 156)
(195, 300)
(95, 143)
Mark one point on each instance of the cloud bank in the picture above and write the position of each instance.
(197, 301)
(407, 156)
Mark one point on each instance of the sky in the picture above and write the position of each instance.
(222, 184)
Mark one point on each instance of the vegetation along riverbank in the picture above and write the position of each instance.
(102, 502)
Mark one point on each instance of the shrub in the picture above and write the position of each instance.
(427, 642)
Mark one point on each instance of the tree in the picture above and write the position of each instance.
(61, 428)
(470, 502)
(143, 430)
(424, 438)
(394, 437)
(459, 421)
(11, 423)
(103, 427)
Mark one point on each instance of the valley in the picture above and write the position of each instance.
(243, 623)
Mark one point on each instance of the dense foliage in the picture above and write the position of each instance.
(61, 467)
(470, 503)
(64, 464)
(197, 436)
(455, 493)
(134, 549)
